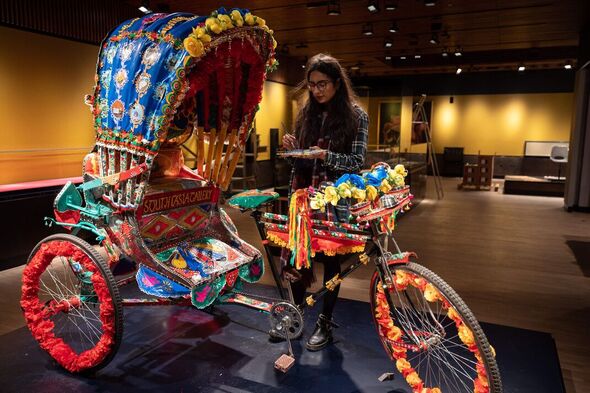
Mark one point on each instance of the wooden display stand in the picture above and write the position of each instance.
(478, 176)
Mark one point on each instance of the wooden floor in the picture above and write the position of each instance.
(508, 256)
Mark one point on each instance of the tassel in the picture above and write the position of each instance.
(299, 230)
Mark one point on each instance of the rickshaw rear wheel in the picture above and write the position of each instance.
(72, 304)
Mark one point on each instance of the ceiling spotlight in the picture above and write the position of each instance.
(368, 29)
(402, 57)
(334, 8)
(458, 70)
(388, 43)
(417, 56)
(393, 28)
(434, 39)
(373, 6)
(355, 68)
(521, 68)
(145, 7)
(458, 52)
(388, 57)
(445, 52)
(568, 65)
(429, 3)
(390, 5)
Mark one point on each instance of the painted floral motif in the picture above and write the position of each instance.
(105, 79)
(103, 106)
(151, 56)
(143, 83)
(117, 110)
(111, 52)
(121, 78)
(137, 113)
(126, 51)
(159, 91)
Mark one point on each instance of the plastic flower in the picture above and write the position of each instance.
(357, 181)
(317, 202)
(399, 168)
(402, 365)
(214, 25)
(371, 193)
(342, 179)
(385, 186)
(249, 19)
(398, 180)
(193, 46)
(237, 18)
(344, 190)
(358, 193)
(225, 21)
(331, 195)
(260, 22)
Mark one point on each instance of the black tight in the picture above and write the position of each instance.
(331, 268)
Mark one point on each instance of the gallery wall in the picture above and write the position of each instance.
(491, 124)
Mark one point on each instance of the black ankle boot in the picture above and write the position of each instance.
(322, 335)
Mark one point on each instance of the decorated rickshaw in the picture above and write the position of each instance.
(162, 79)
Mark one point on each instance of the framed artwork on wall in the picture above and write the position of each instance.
(419, 127)
(390, 114)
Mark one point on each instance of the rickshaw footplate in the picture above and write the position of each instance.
(284, 363)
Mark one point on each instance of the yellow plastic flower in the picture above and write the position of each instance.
(331, 195)
(358, 193)
(466, 335)
(402, 364)
(214, 25)
(413, 379)
(371, 193)
(225, 21)
(260, 22)
(344, 190)
(430, 293)
(193, 46)
(249, 19)
(237, 18)
(385, 186)
(274, 43)
(398, 180)
(399, 168)
(317, 202)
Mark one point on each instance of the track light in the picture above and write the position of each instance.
(402, 57)
(458, 70)
(568, 65)
(429, 3)
(388, 43)
(387, 57)
(373, 6)
(417, 56)
(458, 52)
(393, 28)
(521, 68)
(445, 52)
(368, 29)
(145, 7)
(434, 39)
(390, 5)
(334, 8)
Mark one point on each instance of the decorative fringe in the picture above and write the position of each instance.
(299, 230)
(345, 250)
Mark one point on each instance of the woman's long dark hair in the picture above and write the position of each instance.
(341, 120)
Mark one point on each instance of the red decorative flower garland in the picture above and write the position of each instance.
(393, 334)
(38, 315)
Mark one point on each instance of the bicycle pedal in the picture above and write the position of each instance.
(284, 362)
(386, 377)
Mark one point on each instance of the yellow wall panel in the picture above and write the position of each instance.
(276, 111)
(489, 124)
(43, 81)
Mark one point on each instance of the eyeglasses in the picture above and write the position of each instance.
(320, 85)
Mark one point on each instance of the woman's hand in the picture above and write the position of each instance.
(319, 153)
(290, 142)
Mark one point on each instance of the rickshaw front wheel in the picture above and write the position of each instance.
(71, 303)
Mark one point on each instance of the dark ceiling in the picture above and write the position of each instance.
(491, 35)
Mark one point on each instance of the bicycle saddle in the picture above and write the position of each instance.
(251, 199)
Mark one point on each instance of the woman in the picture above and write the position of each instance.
(332, 123)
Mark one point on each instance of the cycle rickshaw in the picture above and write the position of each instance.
(160, 79)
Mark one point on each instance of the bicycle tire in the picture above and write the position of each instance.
(72, 304)
(435, 340)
